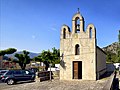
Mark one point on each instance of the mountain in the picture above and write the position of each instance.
(31, 54)
(112, 48)
(113, 52)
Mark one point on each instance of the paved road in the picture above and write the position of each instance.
(4, 86)
(56, 85)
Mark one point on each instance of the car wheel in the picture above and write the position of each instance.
(10, 81)
(32, 80)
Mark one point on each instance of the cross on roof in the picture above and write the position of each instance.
(78, 11)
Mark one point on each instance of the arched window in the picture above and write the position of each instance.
(64, 33)
(77, 50)
(77, 25)
(90, 34)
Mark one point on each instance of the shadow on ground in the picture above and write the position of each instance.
(22, 82)
(116, 84)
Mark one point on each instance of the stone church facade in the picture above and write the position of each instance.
(81, 58)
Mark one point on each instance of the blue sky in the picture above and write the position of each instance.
(34, 25)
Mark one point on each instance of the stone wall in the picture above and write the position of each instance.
(101, 62)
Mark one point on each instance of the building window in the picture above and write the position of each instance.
(77, 50)
(64, 33)
(90, 35)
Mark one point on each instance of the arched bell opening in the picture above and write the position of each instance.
(77, 25)
(64, 33)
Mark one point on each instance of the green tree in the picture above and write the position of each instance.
(23, 59)
(56, 56)
(109, 57)
(48, 57)
(37, 59)
(118, 55)
(7, 51)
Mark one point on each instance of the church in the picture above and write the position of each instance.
(81, 58)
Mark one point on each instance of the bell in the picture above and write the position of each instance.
(78, 27)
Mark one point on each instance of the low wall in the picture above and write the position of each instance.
(109, 84)
(56, 73)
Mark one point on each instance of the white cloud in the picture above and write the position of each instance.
(33, 36)
(52, 28)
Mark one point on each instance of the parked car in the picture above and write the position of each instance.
(2, 72)
(34, 70)
(13, 76)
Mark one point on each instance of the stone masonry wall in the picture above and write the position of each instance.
(87, 50)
